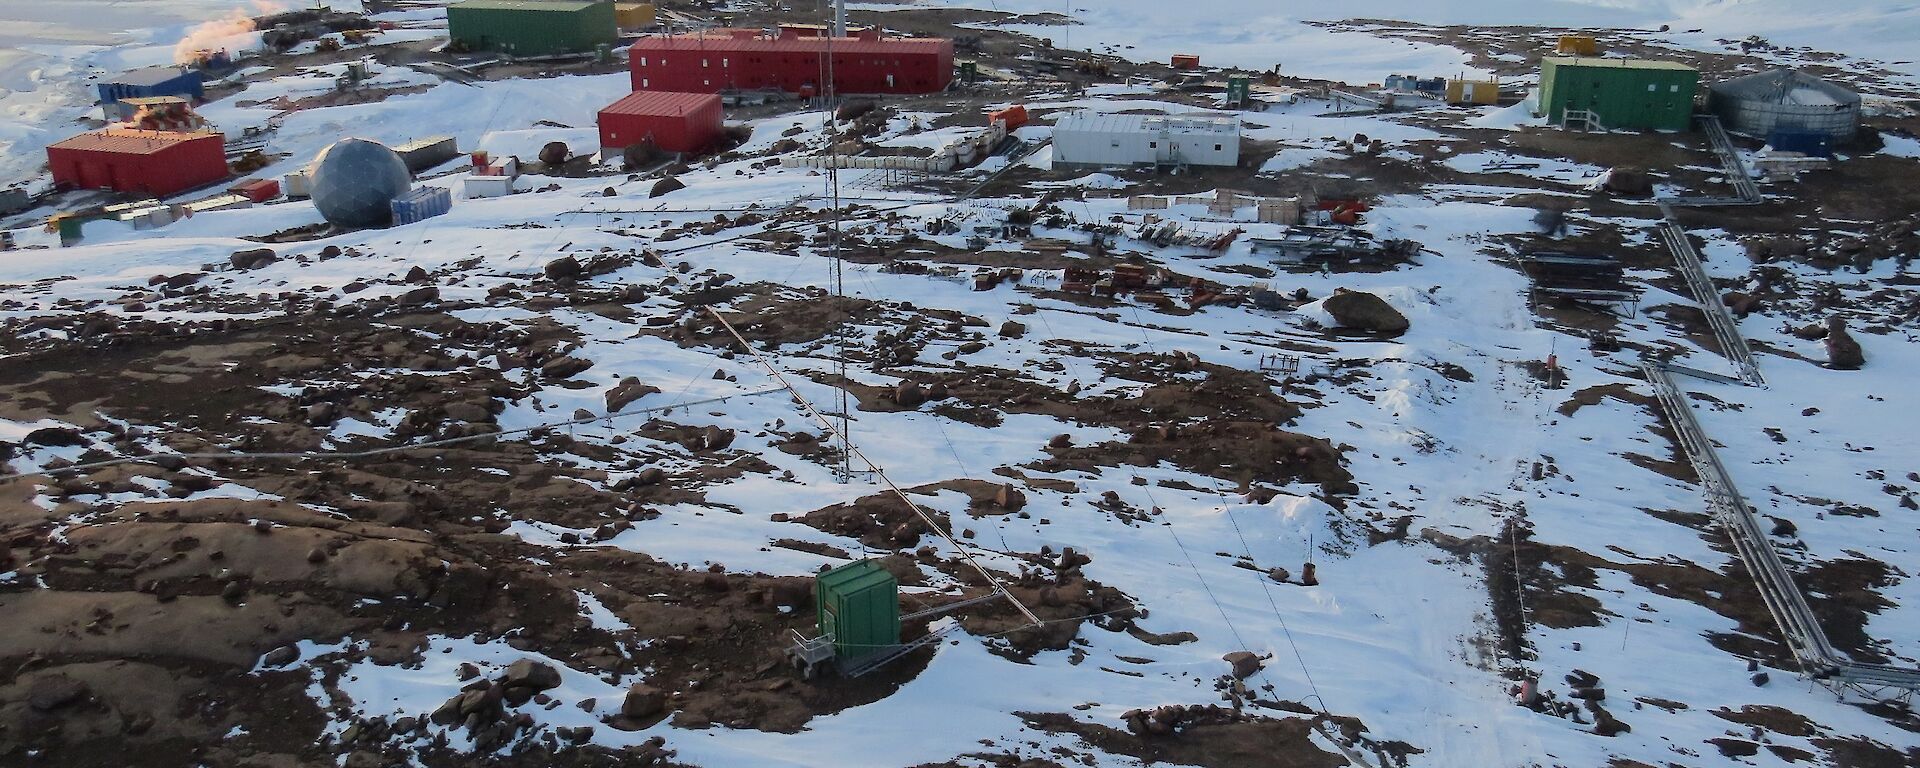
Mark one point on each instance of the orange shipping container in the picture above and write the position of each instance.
(1186, 61)
(1015, 116)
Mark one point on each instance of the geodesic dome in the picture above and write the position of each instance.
(355, 180)
(1785, 100)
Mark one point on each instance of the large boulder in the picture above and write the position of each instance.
(628, 390)
(1364, 311)
(643, 701)
(527, 673)
(1843, 352)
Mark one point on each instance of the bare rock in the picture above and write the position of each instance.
(1012, 329)
(1365, 311)
(1843, 352)
(643, 701)
(280, 657)
(527, 673)
(565, 367)
(565, 267)
(51, 692)
(253, 258)
(628, 390)
(1244, 663)
(419, 296)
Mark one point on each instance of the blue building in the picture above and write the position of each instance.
(154, 81)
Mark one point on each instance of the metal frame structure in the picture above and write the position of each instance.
(1817, 657)
(1725, 330)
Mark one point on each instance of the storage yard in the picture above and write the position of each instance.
(577, 383)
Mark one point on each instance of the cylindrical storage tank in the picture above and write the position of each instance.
(1785, 100)
(355, 181)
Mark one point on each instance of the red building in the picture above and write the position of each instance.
(158, 163)
(675, 121)
(745, 59)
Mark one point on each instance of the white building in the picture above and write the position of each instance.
(1100, 140)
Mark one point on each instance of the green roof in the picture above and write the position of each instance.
(1584, 61)
(560, 6)
(856, 576)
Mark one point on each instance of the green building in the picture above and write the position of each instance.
(859, 605)
(1617, 93)
(532, 27)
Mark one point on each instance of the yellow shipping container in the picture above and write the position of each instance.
(1461, 91)
(633, 15)
(1577, 45)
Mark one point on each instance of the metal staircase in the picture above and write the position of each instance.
(1587, 119)
(1816, 656)
(1745, 192)
(1725, 330)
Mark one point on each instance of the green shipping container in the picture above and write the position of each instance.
(859, 604)
(532, 27)
(1239, 90)
(1621, 93)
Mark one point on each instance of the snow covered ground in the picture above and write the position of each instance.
(1443, 425)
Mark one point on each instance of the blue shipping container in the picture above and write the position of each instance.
(1805, 142)
(421, 204)
(153, 81)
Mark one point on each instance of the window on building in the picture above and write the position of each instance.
(1216, 148)
(703, 63)
(1673, 89)
(1651, 87)
(643, 61)
(1153, 145)
(723, 64)
(643, 82)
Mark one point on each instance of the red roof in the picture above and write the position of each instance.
(671, 103)
(128, 141)
(735, 40)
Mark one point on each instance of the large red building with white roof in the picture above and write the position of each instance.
(745, 59)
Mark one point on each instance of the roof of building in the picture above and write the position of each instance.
(148, 76)
(1786, 85)
(747, 40)
(153, 101)
(661, 103)
(1106, 122)
(129, 141)
(550, 6)
(1605, 63)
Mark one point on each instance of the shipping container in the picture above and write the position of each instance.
(633, 15)
(858, 604)
(1619, 93)
(532, 27)
(673, 121)
(257, 190)
(298, 185)
(426, 154)
(486, 186)
(420, 204)
(1185, 61)
(153, 81)
(1014, 116)
(744, 59)
(1577, 45)
(220, 203)
(158, 163)
(1463, 91)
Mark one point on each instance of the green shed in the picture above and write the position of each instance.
(859, 605)
(532, 27)
(1618, 93)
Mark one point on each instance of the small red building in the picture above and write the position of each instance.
(744, 59)
(158, 163)
(675, 121)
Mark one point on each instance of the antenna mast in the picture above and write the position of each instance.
(836, 275)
